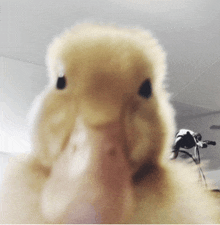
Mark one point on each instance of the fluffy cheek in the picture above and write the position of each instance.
(137, 142)
(143, 130)
(52, 130)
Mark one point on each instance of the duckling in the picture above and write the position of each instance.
(102, 132)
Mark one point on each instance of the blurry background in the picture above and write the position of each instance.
(189, 31)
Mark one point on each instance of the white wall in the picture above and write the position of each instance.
(20, 82)
(4, 158)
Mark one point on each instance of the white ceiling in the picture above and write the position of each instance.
(189, 30)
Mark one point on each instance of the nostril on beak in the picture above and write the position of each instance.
(112, 152)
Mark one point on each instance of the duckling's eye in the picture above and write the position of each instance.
(145, 89)
(61, 82)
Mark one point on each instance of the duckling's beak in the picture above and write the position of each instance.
(92, 181)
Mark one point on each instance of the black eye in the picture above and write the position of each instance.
(145, 89)
(61, 82)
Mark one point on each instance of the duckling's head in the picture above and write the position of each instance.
(104, 115)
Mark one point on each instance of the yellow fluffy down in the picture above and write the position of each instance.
(104, 67)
